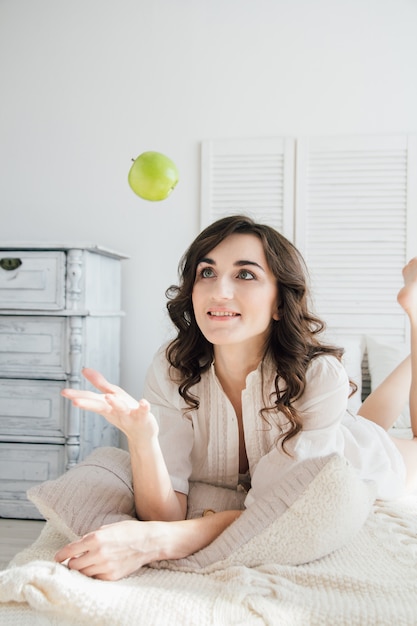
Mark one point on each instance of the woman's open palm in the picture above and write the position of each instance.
(133, 418)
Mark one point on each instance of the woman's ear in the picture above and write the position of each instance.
(275, 316)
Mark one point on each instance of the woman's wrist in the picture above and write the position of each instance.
(142, 444)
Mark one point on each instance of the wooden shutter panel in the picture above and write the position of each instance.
(254, 177)
(356, 225)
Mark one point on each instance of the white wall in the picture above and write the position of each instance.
(88, 84)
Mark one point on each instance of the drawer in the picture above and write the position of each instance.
(22, 466)
(33, 347)
(32, 410)
(32, 279)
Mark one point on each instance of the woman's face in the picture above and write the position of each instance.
(235, 293)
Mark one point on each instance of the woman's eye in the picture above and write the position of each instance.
(207, 272)
(246, 275)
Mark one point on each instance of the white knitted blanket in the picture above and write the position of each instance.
(370, 581)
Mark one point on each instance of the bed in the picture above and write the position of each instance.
(318, 550)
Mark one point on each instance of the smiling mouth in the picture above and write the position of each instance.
(223, 314)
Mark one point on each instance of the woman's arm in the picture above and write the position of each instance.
(155, 499)
(117, 550)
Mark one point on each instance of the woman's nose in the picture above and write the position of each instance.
(222, 289)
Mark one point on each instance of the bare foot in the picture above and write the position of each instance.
(407, 296)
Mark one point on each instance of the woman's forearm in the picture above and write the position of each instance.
(155, 499)
(182, 538)
(117, 550)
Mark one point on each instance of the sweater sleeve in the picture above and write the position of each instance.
(176, 435)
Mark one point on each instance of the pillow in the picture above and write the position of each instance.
(383, 358)
(99, 491)
(319, 507)
(95, 492)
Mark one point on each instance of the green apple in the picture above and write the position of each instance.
(153, 176)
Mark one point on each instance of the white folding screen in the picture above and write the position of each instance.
(253, 176)
(356, 226)
(353, 215)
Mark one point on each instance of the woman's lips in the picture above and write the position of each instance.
(223, 314)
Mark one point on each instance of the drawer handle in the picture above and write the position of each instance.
(10, 264)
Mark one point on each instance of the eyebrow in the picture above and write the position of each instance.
(236, 263)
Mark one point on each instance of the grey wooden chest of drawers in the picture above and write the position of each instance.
(60, 310)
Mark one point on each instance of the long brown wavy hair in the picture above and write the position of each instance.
(293, 340)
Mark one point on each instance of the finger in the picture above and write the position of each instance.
(90, 565)
(120, 405)
(102, 571)
(77, 548)
(80, 393)
(96, 571)
(142, 409)
(144, 405)
(97, 380)
(68, 552)
(95, 406)
(87, 401)
(85, 563)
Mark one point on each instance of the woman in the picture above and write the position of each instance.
(244, 391)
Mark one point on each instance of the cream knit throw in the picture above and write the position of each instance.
(372, 581)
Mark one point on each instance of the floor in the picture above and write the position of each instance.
(16, 534)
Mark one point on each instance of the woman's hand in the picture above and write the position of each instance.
(133, 418)
(119, 549)
(114, 551)
(155, 498)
